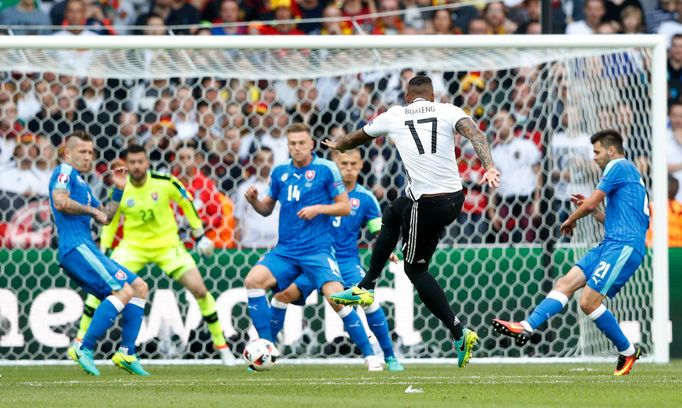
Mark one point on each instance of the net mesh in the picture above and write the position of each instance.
(209, 112)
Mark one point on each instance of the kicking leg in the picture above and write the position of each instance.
(550, 306)
(258, 280)
(131, 321)
(91, 304)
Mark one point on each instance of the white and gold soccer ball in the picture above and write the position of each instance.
(261, 355)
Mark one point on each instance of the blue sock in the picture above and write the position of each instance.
(259, 310)
(131, 321)
(353, 325)
(103, 319)
(551, 305)
(278, 311)
(377, 323)
(608, 324)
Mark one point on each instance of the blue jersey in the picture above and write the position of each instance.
(317, 183)
(72, 230)
(627, 204)
(363, 209)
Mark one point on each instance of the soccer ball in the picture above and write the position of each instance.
(261, 354)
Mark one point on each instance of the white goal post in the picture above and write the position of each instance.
(312, 57)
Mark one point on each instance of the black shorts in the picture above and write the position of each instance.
(422, 223)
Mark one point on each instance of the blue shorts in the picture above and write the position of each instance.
(608, 266)
(96, 273)
(318, 268)
(351, 272)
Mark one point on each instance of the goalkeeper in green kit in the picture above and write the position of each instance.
(150, 235)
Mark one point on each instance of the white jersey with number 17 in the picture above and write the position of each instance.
(424, 133)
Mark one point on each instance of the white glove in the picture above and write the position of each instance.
(205, 246)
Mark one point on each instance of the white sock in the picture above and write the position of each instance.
(276, 303)
(628, 351)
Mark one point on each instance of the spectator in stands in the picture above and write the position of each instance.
(283, 11)
(311, 9)
(229, 13)
(57, 120)
(388, 24)
(155, 25)
(672, 27)
(357, 8)
(21, 176)
(28, 102)
(185, 116)
(75, 15)
(609, 27)
(664, 12)
(479, 26)
(160, 143)
(675, 69)
(203, 190)
(10, 130)
(515, 204)
(333, 27)
(472, 224)
(572, 167)
(674, 149)
(674, 216)
(182, 13)
(495, 15)
(224, 160)
(25, 13)
(441, 23)
(414, 18)
(253, 230)
(594, 14)
(632, 20)
(124, 132)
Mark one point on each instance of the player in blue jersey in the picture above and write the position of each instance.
(607, 267)
(310, 192)
(365, 211)
(120, 290)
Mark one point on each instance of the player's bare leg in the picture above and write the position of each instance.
(353, 324)
(193, 281)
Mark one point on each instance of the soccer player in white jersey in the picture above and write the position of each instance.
(424, 133)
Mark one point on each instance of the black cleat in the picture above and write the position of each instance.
(514, 330)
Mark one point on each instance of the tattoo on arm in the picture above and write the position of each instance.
(467, 128)
(109, 209)
(63, 203)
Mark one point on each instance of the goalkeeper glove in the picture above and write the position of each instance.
(204, 245)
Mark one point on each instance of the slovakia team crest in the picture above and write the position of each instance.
(309, 175)
(354, 203)
(155, 196)
(120, 275)
(63, 178)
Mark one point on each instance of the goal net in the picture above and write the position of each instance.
(206, 109)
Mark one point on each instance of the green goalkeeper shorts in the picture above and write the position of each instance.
(174, 261)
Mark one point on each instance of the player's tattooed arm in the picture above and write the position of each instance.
(109, 209)
(467, 128)
(63, 203)
(348, 141)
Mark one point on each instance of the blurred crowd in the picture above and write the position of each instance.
(343, 17)
(220, 136)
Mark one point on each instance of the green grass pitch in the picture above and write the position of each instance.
(536, 385)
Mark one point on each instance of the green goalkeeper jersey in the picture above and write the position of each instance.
(148, 217)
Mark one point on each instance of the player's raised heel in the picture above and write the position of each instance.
(514, 330)
(465, 347)
(84, 359)
(354, 296)
(129, 363)
(625, 363)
